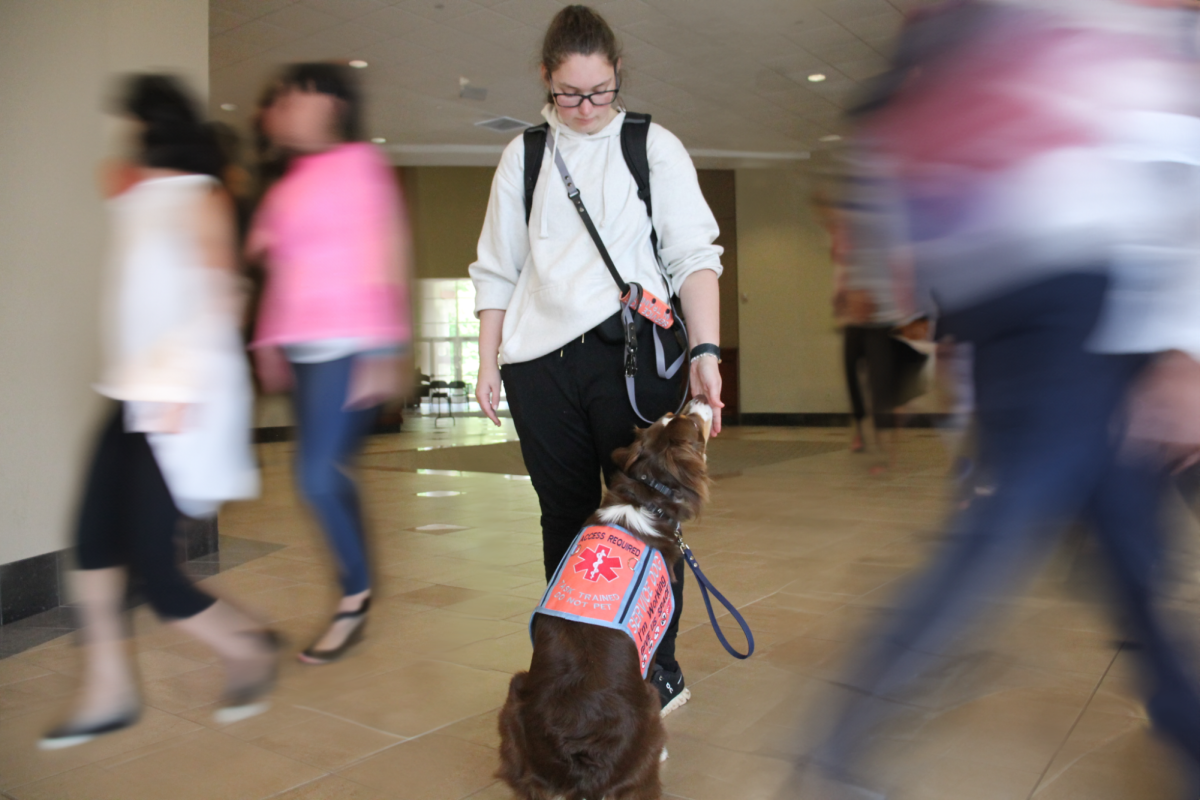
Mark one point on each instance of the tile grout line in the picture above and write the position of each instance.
(1075, 724)
(409, 739)
(354, 722)
(300, 786)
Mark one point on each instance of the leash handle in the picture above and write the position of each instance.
(706, 587)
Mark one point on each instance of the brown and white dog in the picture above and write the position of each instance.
(582, 723)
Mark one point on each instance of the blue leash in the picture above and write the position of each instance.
(706, 587)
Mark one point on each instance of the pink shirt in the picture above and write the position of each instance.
(327, 227)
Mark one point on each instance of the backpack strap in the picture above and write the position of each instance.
(535, 151)
(634, 133)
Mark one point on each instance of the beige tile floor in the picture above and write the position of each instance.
(811, 549)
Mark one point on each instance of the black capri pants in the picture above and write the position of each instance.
(128, 519)
(873, 344)
(571, 410)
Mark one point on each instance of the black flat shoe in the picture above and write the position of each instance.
(69, 735)
(314, 656)
(248, 701)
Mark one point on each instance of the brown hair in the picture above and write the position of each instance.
(578, 30)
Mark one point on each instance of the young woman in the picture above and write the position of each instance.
(333, 319)
(178, 439)
(542, 289)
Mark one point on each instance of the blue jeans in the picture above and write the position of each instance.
(329, 438)
(1049, 435)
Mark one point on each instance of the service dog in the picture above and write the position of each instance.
(583, 723)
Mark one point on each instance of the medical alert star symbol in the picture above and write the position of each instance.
(598, 563)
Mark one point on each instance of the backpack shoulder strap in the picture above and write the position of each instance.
(634, 132)
(535, 151)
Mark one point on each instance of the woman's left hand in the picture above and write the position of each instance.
(706, 380)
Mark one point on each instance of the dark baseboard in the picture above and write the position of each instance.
(835, 420)
(281, 433)
(287, 433)
(832, 419)
(795, 420)
(31, 585)
(35, 585)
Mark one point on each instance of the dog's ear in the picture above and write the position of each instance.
(625, 457)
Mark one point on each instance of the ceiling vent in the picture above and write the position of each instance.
(503, 124)
(468, 91)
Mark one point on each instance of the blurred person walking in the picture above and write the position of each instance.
(867, 308)
(549, 311)
(1055, 232)
(178, 440)
(333, 322)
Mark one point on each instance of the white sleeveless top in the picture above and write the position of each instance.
(171, 336)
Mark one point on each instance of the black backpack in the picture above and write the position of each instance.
(634, 131)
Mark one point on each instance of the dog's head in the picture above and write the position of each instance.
(671, 452)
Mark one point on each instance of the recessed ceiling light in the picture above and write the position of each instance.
(833, 137)
(358, 63)
(228, 107)
(816, 77)
(378, 139)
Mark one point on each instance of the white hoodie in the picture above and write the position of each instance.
(548, 275)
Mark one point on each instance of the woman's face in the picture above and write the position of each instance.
(302, 120)
(581, 74)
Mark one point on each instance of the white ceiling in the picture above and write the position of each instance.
(729, 77)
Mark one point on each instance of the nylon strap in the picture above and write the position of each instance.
(706, 587)
(573, 193)
(632, 294)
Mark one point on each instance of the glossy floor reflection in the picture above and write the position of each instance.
(810, 547)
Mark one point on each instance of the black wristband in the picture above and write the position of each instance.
(705, 350)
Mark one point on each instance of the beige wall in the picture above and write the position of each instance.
(446, 208)
(56, 59)
(719, 188)
(783, 326)
(789, 350)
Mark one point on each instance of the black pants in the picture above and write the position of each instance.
(872, 343)
(571, 410)
(129, 519)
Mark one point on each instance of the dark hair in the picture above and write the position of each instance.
(334, 80)
(173, 134)
(578, 30)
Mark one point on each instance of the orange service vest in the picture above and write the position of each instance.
(610, 578)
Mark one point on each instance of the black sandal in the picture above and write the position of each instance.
(314, 656)
(69, 735)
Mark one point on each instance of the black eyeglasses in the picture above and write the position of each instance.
(572, 100)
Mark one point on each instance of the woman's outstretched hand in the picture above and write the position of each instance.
(706, 380)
